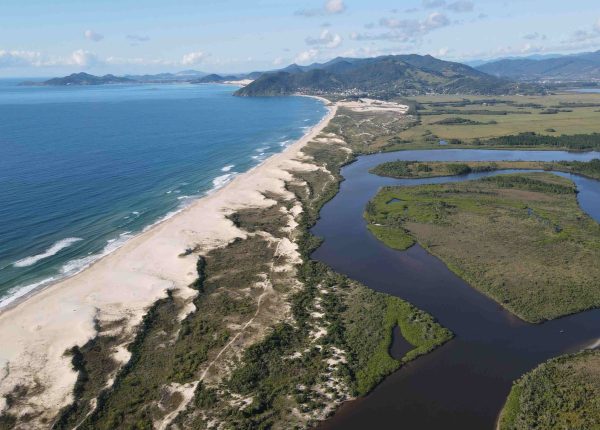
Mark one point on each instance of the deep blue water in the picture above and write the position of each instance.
(84, 168)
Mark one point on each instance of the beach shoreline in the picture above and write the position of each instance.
(39, 327)
(46, 285)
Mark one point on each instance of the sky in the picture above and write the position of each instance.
(48, 38)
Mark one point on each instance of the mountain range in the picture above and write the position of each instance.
(382, 77)
(577, 67)
(386, 76)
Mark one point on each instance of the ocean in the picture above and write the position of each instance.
(83, 169)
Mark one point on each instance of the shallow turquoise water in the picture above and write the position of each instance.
(82, 169)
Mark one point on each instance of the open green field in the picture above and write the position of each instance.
(473, 120)
(418, 169)
(563, 393)
(521, 239)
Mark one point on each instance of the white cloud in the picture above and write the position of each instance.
(192, 58)
(405, 30)
(20, 58)
(79, 58)
(82, 58)
(138, 61)
(431, 4)
(306, 56)
(534, 36)
(93, 36)
(278, 61)
(597, 26)
(461, 6)
(326, 39)
(331, 7)
(363, 52)
(137, 38)
(457, 6)
(434, 21)
(442, 52)
(335, 6)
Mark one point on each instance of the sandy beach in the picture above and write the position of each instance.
(36, 332)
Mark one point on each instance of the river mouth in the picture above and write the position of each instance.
(463, 384)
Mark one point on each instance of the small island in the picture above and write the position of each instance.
(521, 238)
(82, 79)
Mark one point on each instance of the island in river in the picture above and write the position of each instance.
(521, 239)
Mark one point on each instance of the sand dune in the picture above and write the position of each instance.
(35, 333)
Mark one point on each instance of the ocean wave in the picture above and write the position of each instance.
(53, 250)
(20, 291)
(70, 268)
(221, 181)
(286, 142)
(75, 266)
(227, 168)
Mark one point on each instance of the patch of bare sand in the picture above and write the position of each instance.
(371, 105)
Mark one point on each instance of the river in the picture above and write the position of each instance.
(463, 384)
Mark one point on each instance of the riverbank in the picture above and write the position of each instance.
(120, 287)
(491, 348)
(414, 169)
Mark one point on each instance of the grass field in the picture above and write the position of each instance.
(521, 239)
(563, 393)
(472, 120)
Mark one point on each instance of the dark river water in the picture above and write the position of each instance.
(463, 384)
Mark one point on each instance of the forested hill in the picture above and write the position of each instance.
(383, 77)
(577, 67)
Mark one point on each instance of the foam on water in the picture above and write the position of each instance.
(221, 181)
(53, 250)
(70, 268)
(227, 168)
(75, 266)
(22, 290)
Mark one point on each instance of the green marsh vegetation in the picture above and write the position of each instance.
(566, 121)
(563, 393)
(401, 169)
(522, 239)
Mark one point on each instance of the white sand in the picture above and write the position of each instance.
(371, 105)
(240, 82)
(35, 333)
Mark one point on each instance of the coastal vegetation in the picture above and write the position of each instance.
(401, 169)
(270, 339)
(521, 239)
(561, 393)
(370, 132)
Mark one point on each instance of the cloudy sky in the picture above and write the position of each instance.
(45, 38)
